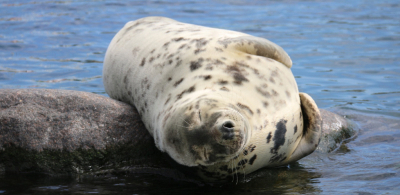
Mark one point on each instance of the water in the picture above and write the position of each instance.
(345, 55)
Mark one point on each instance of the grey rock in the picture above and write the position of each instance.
(62, 131)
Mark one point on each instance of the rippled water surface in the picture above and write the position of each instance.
(345, 55)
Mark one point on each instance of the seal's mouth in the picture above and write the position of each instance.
(207, 136)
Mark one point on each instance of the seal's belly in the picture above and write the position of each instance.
(233, 91)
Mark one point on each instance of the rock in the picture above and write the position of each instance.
(61, 131)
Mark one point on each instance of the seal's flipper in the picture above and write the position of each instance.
(260, 47)
(311, 129)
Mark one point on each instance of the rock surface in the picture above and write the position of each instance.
(62, 131)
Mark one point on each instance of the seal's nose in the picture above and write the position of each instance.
(227, 130)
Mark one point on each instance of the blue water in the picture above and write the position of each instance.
(345, 55)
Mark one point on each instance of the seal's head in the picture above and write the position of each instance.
(205, 132)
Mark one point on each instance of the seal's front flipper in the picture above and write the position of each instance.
(312, 126)
(258, 46)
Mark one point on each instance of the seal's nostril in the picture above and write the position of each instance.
(227, 130)
(228, 125)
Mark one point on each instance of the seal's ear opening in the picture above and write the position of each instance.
(312, 127)
(260, 47)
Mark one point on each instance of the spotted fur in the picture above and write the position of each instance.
(220, 100)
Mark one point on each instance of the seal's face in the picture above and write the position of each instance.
(204, 133)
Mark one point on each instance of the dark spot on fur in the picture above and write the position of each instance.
(263, 92)
(222, 82)
(178, 63)
(170, 55)
(152, 51)
(277, 157)
(239, 78)
(131, 27)
(272, 80)
(269, 137)
(135, 50)
(237, 74)
(217, 61)
(143, 62)
(252, 148)
(224, 89)
(265, 104)
(170, 61)
(130, 93)
(295, 129)
(207, 77)
(178, 39)
(169, 79)
(287, 94)
(169, 98)
(245, 152)
(197, 51)
(252, 159)
(274, 93)
(258, 111)
(191, 89)
(151, 59)
(200, 42)
(196, 64)
(178, 82)
(242, 162)
(279, 136)
(182, 46)
(242, 106)
(218, 49)
(248, 57)
(264, 85)
(166, 44)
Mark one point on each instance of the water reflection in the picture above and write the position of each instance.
(295, 179)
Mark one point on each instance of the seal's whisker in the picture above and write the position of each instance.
(244, 171)
(233, 175)
(199, 115)
(184, 120)
(237, 176)
(205, 153)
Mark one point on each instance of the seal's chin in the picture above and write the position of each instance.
(206, 135)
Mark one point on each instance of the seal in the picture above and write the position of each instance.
(222, 101)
